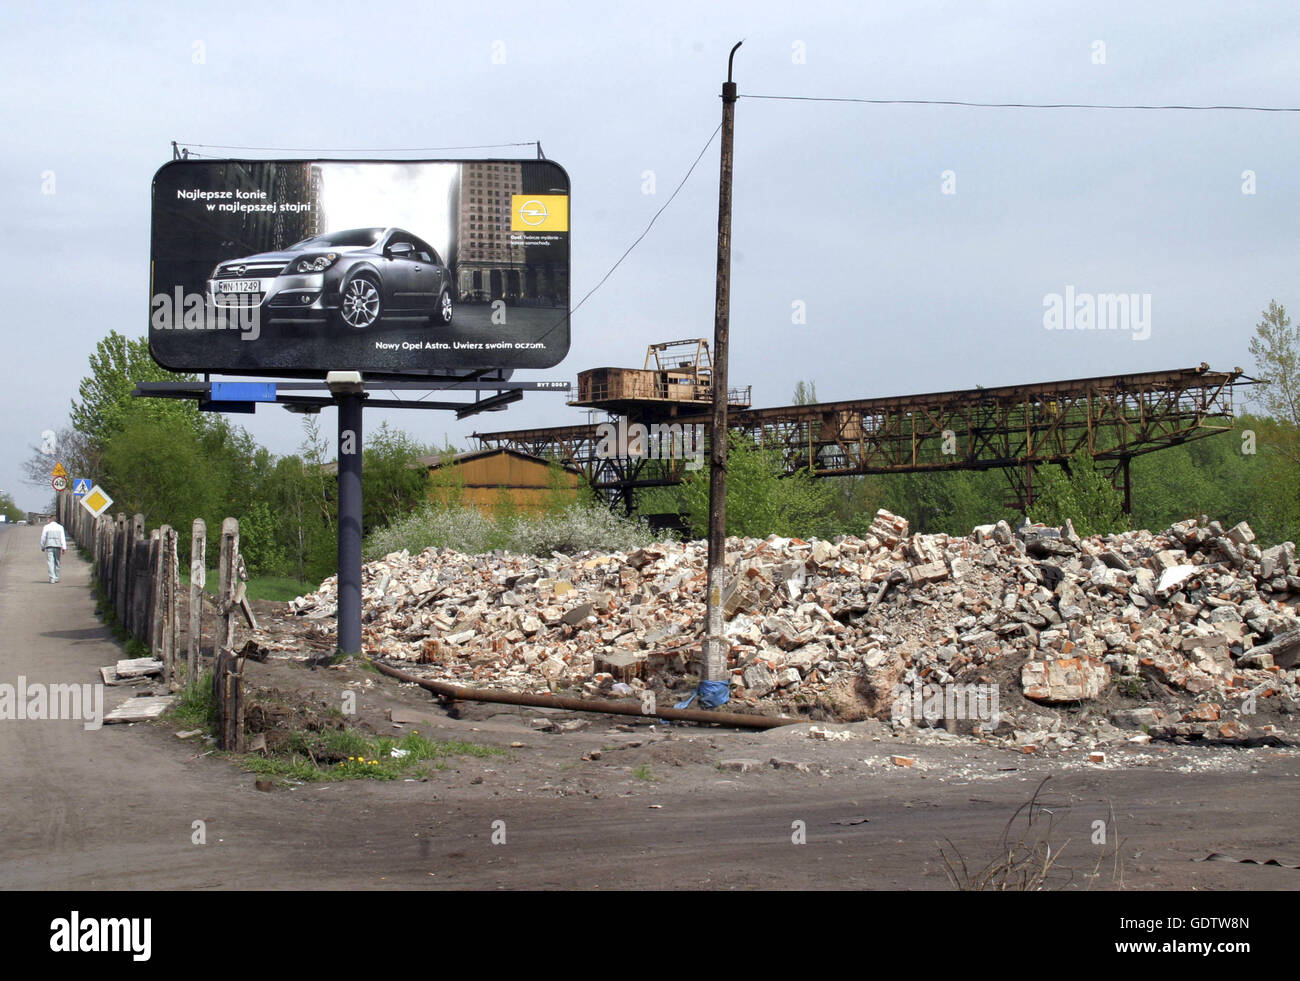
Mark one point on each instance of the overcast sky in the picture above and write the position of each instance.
(839, 207)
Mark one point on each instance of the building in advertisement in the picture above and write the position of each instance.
(546, 276)
(274, 185)
(489, 260)
(316, 218)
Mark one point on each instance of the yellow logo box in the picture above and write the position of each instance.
(539, 212)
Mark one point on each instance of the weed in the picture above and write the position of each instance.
(1130, 687)
(1027, 858)
(345, 754)
(195, 708)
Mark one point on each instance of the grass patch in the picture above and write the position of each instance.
(642, 772)
(195, 708)
(276, 589)
(346, 754)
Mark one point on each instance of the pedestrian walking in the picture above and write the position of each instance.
(53, 543)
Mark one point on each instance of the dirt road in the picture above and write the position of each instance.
(116, 807)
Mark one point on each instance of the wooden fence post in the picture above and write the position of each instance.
(171, 631)
(138, 587)
(228, 692)
(198, 579)
(105, 554)
(228, 670)
(157, 592)
(120, 548)
(226, 583)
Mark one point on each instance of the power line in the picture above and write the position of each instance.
(637, 241)
(1019, 105)
(646, 232)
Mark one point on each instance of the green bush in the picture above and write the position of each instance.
(573, 529)
(1084, 496)
(760, 501)
(462, 528)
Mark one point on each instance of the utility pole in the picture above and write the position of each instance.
(714, 675)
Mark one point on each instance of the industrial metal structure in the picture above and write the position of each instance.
(1014, 428)
(677, 377)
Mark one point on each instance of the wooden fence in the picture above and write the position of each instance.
(140, 576)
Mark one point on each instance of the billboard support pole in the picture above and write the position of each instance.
(714, 686)
(348, 392)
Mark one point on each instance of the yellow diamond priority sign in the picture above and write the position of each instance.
(96, 502)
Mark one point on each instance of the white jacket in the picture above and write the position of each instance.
(52, 536)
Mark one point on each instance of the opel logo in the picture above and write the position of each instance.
(239, 270)
(532, 212)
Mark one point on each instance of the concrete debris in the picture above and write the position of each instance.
(799, 766)
(138, 667)
(1066, 679)
(1152, 624)
(140, 709)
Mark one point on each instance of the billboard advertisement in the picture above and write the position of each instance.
(392, 268)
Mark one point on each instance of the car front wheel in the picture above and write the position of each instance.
(360, 306)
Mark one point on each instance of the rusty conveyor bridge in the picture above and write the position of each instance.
(1015, 428)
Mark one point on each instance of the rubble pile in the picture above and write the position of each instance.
(1183, 632)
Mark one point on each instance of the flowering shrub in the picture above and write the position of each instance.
(572, 529)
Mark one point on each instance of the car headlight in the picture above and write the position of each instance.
(315, 263)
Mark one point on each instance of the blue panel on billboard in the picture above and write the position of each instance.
(243, 392)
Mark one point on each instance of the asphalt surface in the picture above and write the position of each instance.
(116, 807)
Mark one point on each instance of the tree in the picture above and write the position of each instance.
(805, 393)
(10, 509)
(447, 481)
(117, 364)
(79, 454)
(393, 481)
(315, 459)
(951, 501)
(760, 501)
(162, 472)
(1276, 350)
(560, 492)
(1084, 495)
(305, 545)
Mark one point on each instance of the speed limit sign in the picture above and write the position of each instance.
(59, 483)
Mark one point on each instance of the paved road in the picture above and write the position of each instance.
(114, 808)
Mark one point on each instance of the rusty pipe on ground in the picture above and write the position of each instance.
(607, 706)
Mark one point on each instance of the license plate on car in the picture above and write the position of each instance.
(239, 286)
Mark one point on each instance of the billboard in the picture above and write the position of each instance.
(394, 268)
